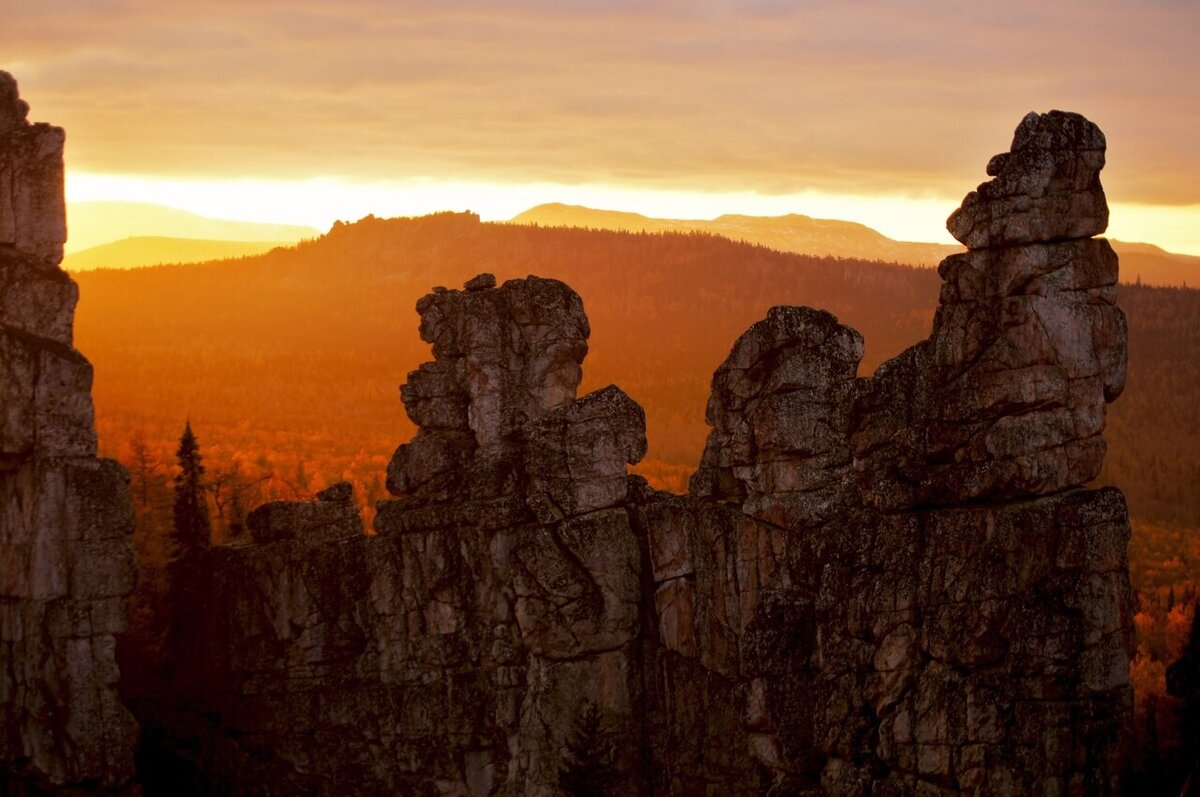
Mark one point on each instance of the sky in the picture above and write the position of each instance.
(882, 112)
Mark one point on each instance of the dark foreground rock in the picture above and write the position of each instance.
(885, 585)
(1046, 188)
(66, 564)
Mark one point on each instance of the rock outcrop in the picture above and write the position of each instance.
(1045, 188)
(449, 652)
(66, 564)
(880, 585)
(899, 573)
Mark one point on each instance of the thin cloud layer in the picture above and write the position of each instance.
(773, 97)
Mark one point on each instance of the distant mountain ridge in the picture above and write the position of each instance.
(1143, 262)
(133, 234)
(91, 224)
(790, 233)
(151, 250)
(1153, 265)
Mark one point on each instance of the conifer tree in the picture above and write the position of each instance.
(191, 535)
(193, 528)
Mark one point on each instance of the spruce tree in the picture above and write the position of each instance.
(191, 535)
(192, 525)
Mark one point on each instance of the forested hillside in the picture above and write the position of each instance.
(1154, 428)
(297, 355)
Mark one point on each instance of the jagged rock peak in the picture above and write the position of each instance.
(13, 109)
(481, 282)
(33, 211)
(780, 399)
(66, 565)
(503, 356)
(1046, 188)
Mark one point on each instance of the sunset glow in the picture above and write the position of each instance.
(599, 398)
(869, 112)
(320, 202)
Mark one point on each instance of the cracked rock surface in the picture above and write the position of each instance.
(66, 563)
(1046, 188)
(884, 585)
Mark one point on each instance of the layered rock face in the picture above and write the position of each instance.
(66, 564)
(449, 652)
(1045, 188)
(33, 215)
(903, 580)
(883, 585)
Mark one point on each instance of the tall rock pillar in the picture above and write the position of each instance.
(66, 563)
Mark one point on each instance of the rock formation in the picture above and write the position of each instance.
(1045, 188)
(448, 653)
(880, 585)
(66, 564)
(903, 579)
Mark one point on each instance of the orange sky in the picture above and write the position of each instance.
(672, 108)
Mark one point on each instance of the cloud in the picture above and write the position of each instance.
(767, 96)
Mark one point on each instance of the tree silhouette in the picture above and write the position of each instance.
(588, 769)
(228, 485)
(191, 535)
(193, 527)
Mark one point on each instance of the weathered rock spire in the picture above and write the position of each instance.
(1045, 188)
(66, 564)
(33, 214)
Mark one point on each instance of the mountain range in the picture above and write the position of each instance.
(152, 250)
(790, 233)
(95, 223)
(131, 234)
(1150, 264)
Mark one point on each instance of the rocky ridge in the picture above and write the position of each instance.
(878, 585)
(66, 565)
